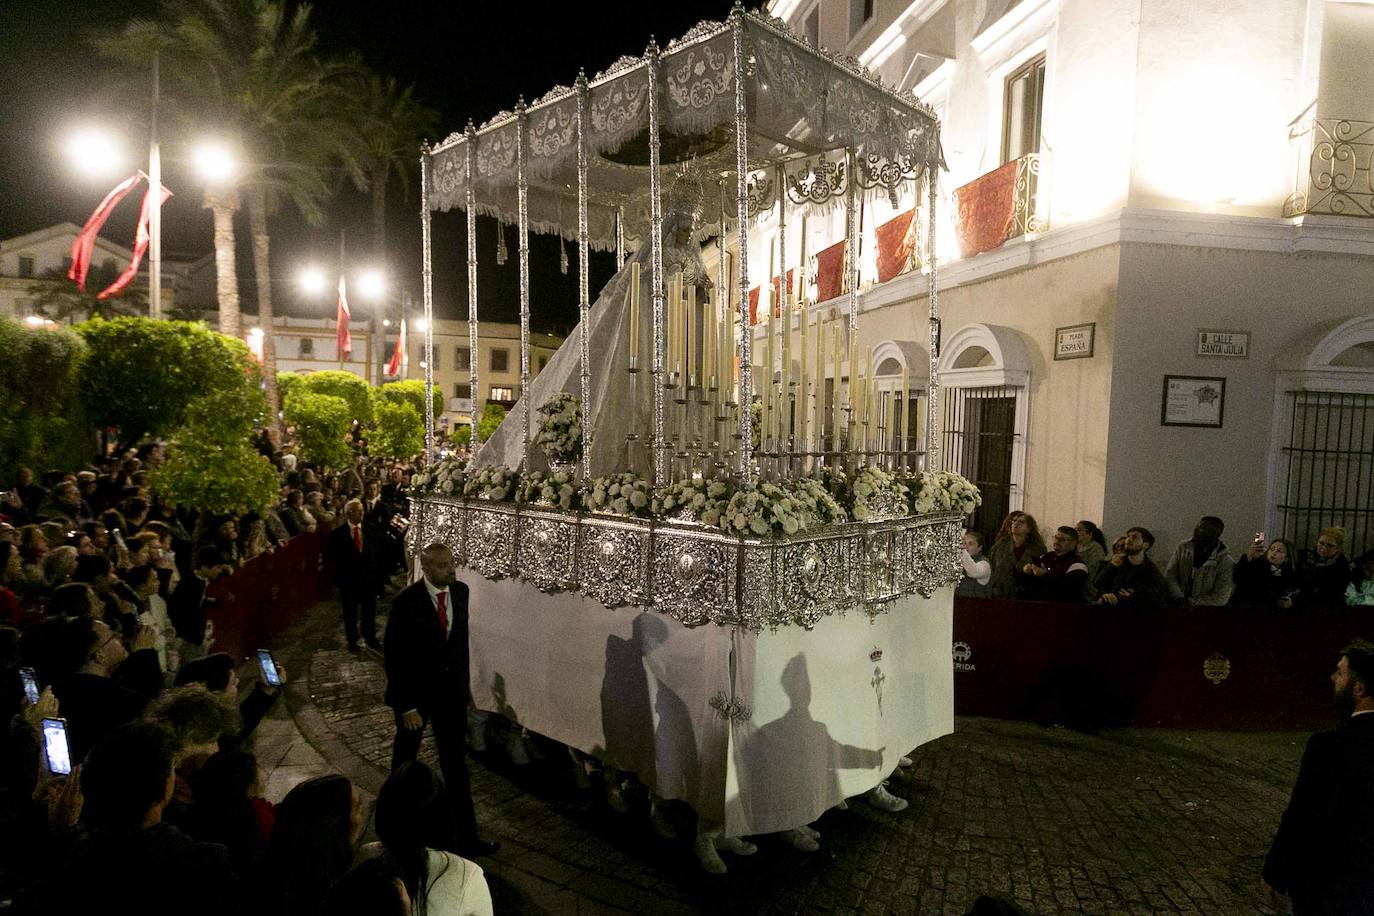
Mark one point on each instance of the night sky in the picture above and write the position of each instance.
(464, 63)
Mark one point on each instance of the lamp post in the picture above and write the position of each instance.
(370, 283)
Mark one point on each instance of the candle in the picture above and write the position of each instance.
(906, 405)
(674, 337)
(709, 340)
(634, 314)
(835, 386)
(767, 376)
(786, 339)
(802, 402)
(820, 379)
(687, 349)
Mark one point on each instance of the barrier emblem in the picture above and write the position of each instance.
(1216, 668)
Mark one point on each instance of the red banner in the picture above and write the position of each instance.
(343, 341)
(986, 210)
(895, 238)
(142, 237)
(830, 272)
(754, 306)
(84, 243)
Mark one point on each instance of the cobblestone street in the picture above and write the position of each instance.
(1128, 821)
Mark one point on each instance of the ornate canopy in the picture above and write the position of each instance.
(805, 108)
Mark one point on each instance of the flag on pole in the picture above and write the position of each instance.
(141, 240)
(399, 357)
(84, 243)
(343, 341)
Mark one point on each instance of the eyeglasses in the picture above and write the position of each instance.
(96, 650)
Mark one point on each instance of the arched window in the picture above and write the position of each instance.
(984, 373)
(1322, 457)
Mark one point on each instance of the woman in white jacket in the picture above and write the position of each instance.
(415, 825)
(977, 570)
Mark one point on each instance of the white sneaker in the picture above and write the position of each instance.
(905, 762)
(736, 845)
(798, 840)
(706, 854)
(884, 800)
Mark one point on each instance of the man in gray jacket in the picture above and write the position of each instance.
(1200, 572)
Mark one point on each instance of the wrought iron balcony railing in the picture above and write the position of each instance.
(1002, 204)
(1334, 173)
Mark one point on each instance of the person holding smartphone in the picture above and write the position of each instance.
(1265, 575)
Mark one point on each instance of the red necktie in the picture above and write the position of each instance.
(358, 537)
(443, 617)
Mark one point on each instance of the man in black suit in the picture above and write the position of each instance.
(427, 681)
(1323, 854)
(352, 551)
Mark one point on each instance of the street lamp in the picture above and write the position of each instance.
(372, 284)
(94, 152)
(214, 162)
(313, 281)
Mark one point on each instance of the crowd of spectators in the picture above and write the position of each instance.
(103, 608)
(1079, 567)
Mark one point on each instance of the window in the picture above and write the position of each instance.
(500, 360)
(26, 265)
(1024, 98)
(543, 361)
(462, 359)
(501, 393)
(860, 11)
(437, 360)
(812, 29)
(307, 347)
(462, 390)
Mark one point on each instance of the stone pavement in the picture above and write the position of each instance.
(1128, 821)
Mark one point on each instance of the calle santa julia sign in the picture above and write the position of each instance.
(1223, 343)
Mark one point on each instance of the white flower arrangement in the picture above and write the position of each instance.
(700, 499)
(619, 494)
(560, 432)
(496, 483)
(555, 488)
(874, 492)
(443, 479)
(786, 508)
(942, 491)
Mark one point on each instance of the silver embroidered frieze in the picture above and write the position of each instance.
(491, 540)
(547, 551)
(613, 560)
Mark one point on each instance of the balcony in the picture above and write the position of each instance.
(1333, 169)
(1002, 204)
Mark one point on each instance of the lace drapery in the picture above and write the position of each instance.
(808, 109)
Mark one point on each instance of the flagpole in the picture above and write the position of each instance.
(155, 213)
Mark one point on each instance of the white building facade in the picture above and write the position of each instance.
(1174, 316)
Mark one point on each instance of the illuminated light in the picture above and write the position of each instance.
(255, 332)
(421, 325)
(95, 153)
(36, 321)
(214, 162)
(386, 322)
(313, 280)
(372, 284)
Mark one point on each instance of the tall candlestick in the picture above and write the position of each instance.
(634, 315)
(709, 339)
(820, 381)
(786, 341)
(674, 328)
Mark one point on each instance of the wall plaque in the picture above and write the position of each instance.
(1074, 341)
(1223, 343)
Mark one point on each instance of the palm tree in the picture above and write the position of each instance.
(56, 297)
(392, 123)
(250, 67)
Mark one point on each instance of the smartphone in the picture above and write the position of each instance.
(1259, 538)
(269, 668)
(30, 685)
(55, 746)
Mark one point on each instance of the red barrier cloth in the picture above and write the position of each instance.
(777, 293)
(985, 210)
(268, 592)
(753, 306)
(830, 272)
(895, 239)
(1211, 668)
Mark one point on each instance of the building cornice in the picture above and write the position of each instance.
(1299, 235)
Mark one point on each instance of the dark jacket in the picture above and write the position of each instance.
(1145, 582)
(1257, 585)
(187, 606)
(353, 571)
(1324, 583)
(423, 670)
(94, 706)
(1323, 853)
(151, 872)
(1064, 580)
